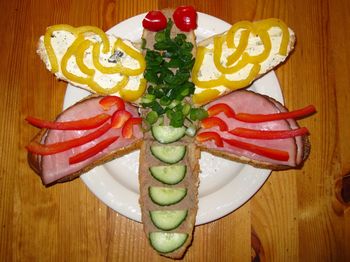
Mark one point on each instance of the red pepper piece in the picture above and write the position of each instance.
(154, 21)
(108, 101)
(263, 151)
(268, 134)
(127, 130)
(82, 124)
(221, 108)
(185, 18)
(256, 118)
(92, 151)
(206, 136)
(119, 118)
(55, 148)
(214, 121)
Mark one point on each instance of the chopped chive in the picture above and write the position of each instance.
(152, 117)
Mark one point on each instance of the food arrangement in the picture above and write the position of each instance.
(171, 99)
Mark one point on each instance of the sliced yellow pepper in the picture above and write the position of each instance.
(242, 45)
(64, 62)
(274, 22)
(205, 96)
(265, 38)
(133, 95)
(196, 68)
(118, 68)
(236, 84)
(97, 31)
(48, 46)
(217, 57)
(246, 25)
(79, 56)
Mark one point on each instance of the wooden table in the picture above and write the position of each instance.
(298, 215)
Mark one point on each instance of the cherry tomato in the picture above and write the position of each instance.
(154, 21)
(185, 18)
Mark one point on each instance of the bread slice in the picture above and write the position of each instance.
(255, 46)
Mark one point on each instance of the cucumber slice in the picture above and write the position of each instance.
(168, 219)
(167, 134)
(169, 154)
(170, 175)
(167, 242)
(166, 196)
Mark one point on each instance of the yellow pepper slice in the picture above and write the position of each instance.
(97, 31)
(70, 52)
(48, 46)
(246, 25)
(265, 38)
(236, 84)
(132, 95)
(196, 68)
(218, 41)
(274, 22)
(79, 56)
(242, 45)
(118, 68)
(205, 96)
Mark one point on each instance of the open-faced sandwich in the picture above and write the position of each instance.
(185, 98)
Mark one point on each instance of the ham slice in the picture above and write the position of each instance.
(243, 101)
(56, 168)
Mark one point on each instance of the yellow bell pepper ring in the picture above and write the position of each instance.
(92, 29)
(133, 95)
(64, 62)
(48, 46)
(205, 96)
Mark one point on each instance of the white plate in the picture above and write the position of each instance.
(224, 185)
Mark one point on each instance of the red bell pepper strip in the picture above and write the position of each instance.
(119, 118)
(268, 134)
(214, 121)
(108, 101)
(82, 124)
(256, 118)
(263, 151)
(221, 107)
(92, 151)
(206, 136)
(55, 148)
(127, 130)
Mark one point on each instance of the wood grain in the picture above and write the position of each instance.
(298, 215)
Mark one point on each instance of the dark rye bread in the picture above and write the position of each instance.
(34, 160)
(191, 160)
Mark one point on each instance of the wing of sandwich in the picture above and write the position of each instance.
(234, 59)
(88, 58)
(60, 153)
(270, 138)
